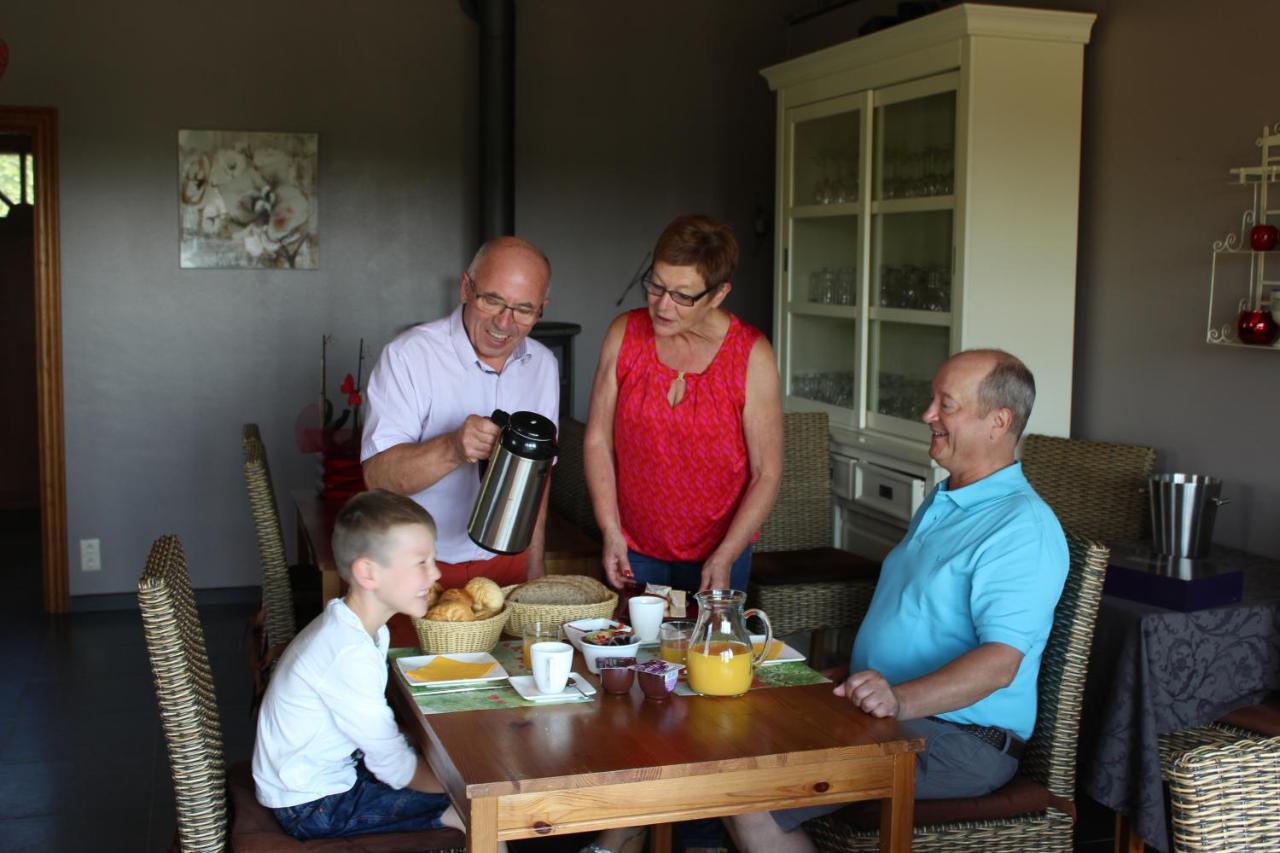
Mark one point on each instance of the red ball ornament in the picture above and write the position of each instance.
(1256, 327)
(1263, 238)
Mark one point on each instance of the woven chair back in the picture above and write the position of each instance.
(569, 497)
(1227, 797)
(185, 693)
(1050, 757)
(276, 593)
(1098, 490)
(802, 516)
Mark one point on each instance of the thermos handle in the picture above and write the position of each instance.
(502, 419)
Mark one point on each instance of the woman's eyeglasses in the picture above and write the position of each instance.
(653, 288)
(491, 305)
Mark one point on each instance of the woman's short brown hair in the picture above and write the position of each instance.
(698, 241)
(362, 525)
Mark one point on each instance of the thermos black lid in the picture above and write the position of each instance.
(528, 434)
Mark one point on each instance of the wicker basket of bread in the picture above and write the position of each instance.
(557, 599)
(468, 619)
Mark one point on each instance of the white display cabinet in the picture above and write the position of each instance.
(927, 199)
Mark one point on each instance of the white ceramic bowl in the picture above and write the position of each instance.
(592, 654)
(573, 631)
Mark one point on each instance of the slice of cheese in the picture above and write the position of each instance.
(447, 669)
(775, 649)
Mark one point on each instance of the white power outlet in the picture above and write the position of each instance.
(90, 555)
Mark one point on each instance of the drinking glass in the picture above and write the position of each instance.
(674, 639)
(539, 632)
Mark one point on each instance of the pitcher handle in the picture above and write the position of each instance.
(768, 633)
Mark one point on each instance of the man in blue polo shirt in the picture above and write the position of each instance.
(964, 604)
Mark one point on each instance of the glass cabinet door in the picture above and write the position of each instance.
(912, 251)
(824, 273)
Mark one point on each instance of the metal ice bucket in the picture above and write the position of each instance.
(1183, 508)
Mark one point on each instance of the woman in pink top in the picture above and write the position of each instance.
(684, 437)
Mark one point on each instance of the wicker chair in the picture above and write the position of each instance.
(1097, 489)
(797, 577)
(1036, 810)
(277, 595)
(213, 815)
(1227, 797)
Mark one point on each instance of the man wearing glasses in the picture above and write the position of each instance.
(435, 385)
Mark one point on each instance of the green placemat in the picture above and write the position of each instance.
(496, 694)
(510, 653)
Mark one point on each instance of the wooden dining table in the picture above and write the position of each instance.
(624, 760)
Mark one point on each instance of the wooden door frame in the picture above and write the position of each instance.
(41, 123)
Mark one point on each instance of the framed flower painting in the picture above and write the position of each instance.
(247, 200)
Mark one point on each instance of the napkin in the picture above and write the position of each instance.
(447, 669)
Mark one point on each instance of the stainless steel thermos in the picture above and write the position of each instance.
(512, 482)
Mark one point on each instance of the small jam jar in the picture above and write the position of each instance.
(616, 675)
(657, 678)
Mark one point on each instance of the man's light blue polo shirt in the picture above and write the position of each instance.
(981, 564)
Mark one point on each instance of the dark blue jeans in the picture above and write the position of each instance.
(369, 807)
(686, 576)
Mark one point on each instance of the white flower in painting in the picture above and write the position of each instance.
(234, 176)
(289, 213)
(274, 165)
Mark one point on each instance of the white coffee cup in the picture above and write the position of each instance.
(550, 663)
(646, 615)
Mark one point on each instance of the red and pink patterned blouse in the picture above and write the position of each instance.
(681, 470)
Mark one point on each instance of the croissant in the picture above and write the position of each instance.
(451, 611)
(433, 594)
(486, 593)
(461, 596)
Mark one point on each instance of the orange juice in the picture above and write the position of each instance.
(528, 661)
(673, 651)
(720, 668)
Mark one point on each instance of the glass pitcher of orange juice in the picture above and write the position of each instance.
(720, 659)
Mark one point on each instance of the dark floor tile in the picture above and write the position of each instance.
(84, 733)
(89, 830)
(57, 787)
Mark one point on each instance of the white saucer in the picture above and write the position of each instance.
(524, 685)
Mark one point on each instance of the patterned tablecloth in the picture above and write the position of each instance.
(1154, 671)
(508, 653)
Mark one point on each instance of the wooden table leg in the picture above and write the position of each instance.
(482, 828)
(1127, 841)
(896, 812)
(660, 838)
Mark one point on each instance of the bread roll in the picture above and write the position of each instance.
(451, 611)
(486, 594)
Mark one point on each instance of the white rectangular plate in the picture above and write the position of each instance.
(787, 655)
(406, 664)
(524, 685)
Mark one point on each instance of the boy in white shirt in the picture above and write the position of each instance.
(329, 759)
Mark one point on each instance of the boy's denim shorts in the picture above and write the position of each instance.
(370, 806)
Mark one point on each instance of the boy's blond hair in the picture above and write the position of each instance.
(363, 523)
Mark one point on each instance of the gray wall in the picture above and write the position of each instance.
(162, 365)
(629, 114)
(1175, 94)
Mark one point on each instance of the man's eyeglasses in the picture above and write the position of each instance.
(487, 303)
(653, 288)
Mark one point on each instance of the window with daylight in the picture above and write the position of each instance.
(17, 181)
